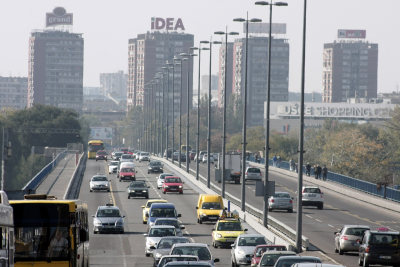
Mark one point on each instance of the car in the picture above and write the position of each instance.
(155, 166)
(379, 247)
(161, 178)
(209, 207)
(125, 150)
(154, 235)
(226, 230)
(99, 182)
(161, 210)
(117, 155)
(197, 249)
(112, 167)
(172, 184)
(183, 157)
(188, 264)
(171, 221)
(124, 165)
(144, 156)
(138, 189)
(175, 259)
(201, 153)
(101, 154)
(290, 260)
(176, 155)
(136, 154)
(261, 249)
(346, 238)
(215, 156)
(126, 158)
(192, 155)
(280, 201)
(127, 173)
(164, 246)
(131, 151)
(307, 264)
(253, 173)
(206, 157)
(108, 219)
(270, 257)
(146, 207)
(243, 249)
(312, 196)
(169, 150)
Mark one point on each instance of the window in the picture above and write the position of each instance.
(159, 55)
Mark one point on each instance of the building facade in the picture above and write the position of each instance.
(225, 70)
(13, 92)
(205, 82)
(350, 70)
(114, 83)
(56, 69)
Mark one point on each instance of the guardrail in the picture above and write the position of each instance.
(35, 181)
(74, 176)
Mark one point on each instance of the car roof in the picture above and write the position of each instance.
(108, 207)
(191, 245)
(166, 219)
(355, 226)
(176, 238)
(173, 177)
(162, 226)
(251, 235)
(313, 264)
(386, 233)
(184, 263)
(166, 256)
(266, 245)
(310, 186)
(162, 205)
(99, 175)
(114, 161)
(157, 200)
(284, 252)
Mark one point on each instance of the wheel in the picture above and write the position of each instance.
(341, 252)
(109, 172)
(147, 197)
(365, 262)
(122, 232)
(96, 159)
(164, 192)
(119, 180)
(237, 182)
(290, 211)
(269, 210)
(180, 192)
(148, 172)
(233, 264)
(321, 206)
(147, 255)
(91, 190)
(161, 172)
(200, 221)
(108, 190)
(140, 161)
(144, 222)
(129, 197)
(360, 263)
(336, 250)
(94, 232)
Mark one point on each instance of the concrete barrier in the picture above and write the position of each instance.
(74, 177)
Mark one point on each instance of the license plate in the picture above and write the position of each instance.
(385, 257)
(311, 195)
(230, 240)
(138, 193)
(212, 218)
(172, 189)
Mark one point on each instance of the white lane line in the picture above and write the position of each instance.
(330, 225)
(323, 254)
(339, 229)
(308, 216)
(123, 253)
(318, 220)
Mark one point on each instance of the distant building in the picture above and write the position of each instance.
(100, 103)
(225, 70)
(88, 90)
(115, 83)
(205, 82)
(13, 92)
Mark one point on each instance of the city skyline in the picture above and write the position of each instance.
(112, 21)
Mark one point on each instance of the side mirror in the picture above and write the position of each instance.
(179, 215)
(93, 216)
(147, 215)
(183, 228)
(335, 233)
(183, 182)
(143, 207)
(246, 230)
(216, 260)
(292, 197)
(233, 245)
(83, 235)
(145, 234)
(225, 208)
(213, 229)
(123, 216)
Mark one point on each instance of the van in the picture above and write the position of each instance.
(124, 164)
(209, 207)
(161, 210)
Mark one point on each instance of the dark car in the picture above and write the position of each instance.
(155, 166)
(379, 247)
(138, 189)
(183, 157)
(169, 151)
(101, 154)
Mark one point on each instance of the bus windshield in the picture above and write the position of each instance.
(94, 147)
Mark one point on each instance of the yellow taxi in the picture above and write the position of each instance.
(226, 230)
(146, 207)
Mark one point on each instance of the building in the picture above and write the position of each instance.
(257, 74)
(100, 103)
(56, 69)
(90, 90)
(147, 54)
(350, 69)
(114, 83)
(13, 92)
(205, 82)
(222, 73)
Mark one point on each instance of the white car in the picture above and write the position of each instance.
(155, 234)
(113, 166)
(161, 178)
(144, 156)
(201, 153)
(312, 196)
(126, 158)
(99, 182)
(108, 219)
(207, 156)
(243, 249)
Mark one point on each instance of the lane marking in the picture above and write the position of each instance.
(330, 225)
(308, 216)
(323, 254)
(318, 220)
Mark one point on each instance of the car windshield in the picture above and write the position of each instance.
(290, 262)
(144, 154)
(118, 154)
(270, 259)
(202, 252)
(168, 259)
(162, 176)
(261, 250)
(312, 190)
(229, 226)
(168, 222)
(108, 213)
(168, 242)
(173, 180)
(137, 184)
(384, 240)
(211, 206)
(149, 203)
(158, 232)
(101, 153)
(163, 213)
(127, 170)
(251, 241)
(126, 156)
(281, 195)
(99, 179)
(254, 170)
(114, 163)
(356, 231)
(155, 163)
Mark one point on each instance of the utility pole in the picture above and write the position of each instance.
(6, 145)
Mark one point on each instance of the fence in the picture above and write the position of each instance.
(367, 187)
(35, 181)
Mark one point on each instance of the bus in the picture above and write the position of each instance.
(93, 147)
(183, 148)
(6, 232)
(50, 232)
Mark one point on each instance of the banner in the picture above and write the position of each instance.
(101, 133)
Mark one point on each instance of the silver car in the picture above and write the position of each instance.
(269, 258)
(176, 258)
(144, 156)
(154, 236)
(161, 178)
(112, 167)
(253, 173)
(164, 247)
(280, 201)
(243, 249)
(197, 249)
(171, 221)
(206, 157)
(126, 158)
(313, 196)
(99, 182)
(346, 238)
(108, 219)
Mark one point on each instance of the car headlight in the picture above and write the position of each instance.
(133, 191)
(160, 168)
(97, 223)
(144, 191)
(122, 176)
(219, 235)
(180, 186)
(241, 252)
(119, 223)
(107, 184)
(158, 255)
(204, 214)
(150, 168)
(166, 186)
(151, 223)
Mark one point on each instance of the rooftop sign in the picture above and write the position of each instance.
(59, 17)
(169, 24)
(352, 34)
(264, 28)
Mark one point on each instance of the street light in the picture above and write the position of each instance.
(173, 107)
(158, 104)
(244, 140)
(166, 113)
(224, 112)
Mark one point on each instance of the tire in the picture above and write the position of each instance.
(122, 232)
(269, 210)
(119, 180)
(290, 211)
(108, 190)
(96, 159)
(148, 172)
(336, 251)
(140, 161)
(234, 264)
(180, 193)
(164, 192)
(321, 206)
(360, 263)
(94, 232)
(147, 197)
(147, 255)
(365, 262)
(129, 197)
(91, 191)
(341, 252)
(144, 222)
(200, 221)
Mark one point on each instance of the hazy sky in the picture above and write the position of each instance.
(107, 26)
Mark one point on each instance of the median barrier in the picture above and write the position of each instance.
(74, 176)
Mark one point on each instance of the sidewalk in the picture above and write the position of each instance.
(57, 181)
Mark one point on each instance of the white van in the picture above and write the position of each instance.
(124, 164)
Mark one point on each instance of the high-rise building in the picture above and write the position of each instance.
(222, 73)
(13, 92)
(350, 68)
(114, 83)
(257, 74)
(205, 82)
(147, 55)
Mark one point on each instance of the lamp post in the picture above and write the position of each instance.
(163, 113)
(166, 114)
(153, 109)
(172, 66)
(158, 104)
(224, 111)
(244, 141)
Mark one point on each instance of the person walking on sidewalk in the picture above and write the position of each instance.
(296, 167)
(291, 164)
(324, 172)
(274, 160)
(308, 169)
(319, 171)
(279, 161)
(315, 172)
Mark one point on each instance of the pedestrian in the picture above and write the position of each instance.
(324, 172)
(296, 168)
(279, 161)
(274, 160)
(291, 164)
(258, 159)
(308, 169)
(319, 170)
(315, 172)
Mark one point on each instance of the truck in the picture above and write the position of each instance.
(232, 164)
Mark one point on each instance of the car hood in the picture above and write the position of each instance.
(210, 212)
(248, 249)
(126, 173)
(162, 251)
(99, 183)
(231, 233)
(172, 184)
(153, 219)
(155, 166)
(113, 166)
(109, 219)
(153, 239)
(137, 188)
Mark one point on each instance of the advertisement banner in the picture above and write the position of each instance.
(59, 17)
(264, 28)
(352, 34)
(101, 133)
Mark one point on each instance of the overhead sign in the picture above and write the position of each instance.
(169, 24)
(352, 34)
(59, 17)
(264, 28)
(101, 133)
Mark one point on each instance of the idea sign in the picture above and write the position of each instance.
(352, 33)
(168, 24)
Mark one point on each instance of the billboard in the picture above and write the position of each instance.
(264, 28)
(101, 133)
(167, 24)
(352, 33)
(59, 17)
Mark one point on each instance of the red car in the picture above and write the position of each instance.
(127, 173)
(192, 155)
(172, 184)
(125, 150)
(101, 154)
(260, 249)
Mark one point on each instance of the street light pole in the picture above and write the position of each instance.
(154, 85)
(181, 59)
(166, 140)
(173, 108)
(163, 112)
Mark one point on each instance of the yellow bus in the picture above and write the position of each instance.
(93, 147)
(6, 232)
(183, 148)
(50, 232)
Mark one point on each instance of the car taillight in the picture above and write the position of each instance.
(303, 190)
(260, 174)
(322, 196)
(272, 200)
(344, 237)
(291, 201)
(367, 249)
(246, 173)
